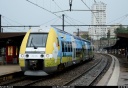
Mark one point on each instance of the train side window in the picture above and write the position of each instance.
(65, 47)
(69, 47)
(62, 46)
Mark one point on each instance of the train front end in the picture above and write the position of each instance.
(33, 53)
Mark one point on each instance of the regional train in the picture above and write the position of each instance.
(48, 49)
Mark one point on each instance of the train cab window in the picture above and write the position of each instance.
(37, 40)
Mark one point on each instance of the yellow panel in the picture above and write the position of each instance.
(66, 59)
(23, 48)
(51, 62)
(52, 37)
(21, 62)
(24, 42)
(50, 47)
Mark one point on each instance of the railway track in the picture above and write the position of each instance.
(73, 76)
(91, 75)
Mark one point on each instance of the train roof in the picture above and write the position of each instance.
(71, 34)
(47, 29)
(41, 29)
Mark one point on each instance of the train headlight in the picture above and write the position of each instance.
(27, 55)
(47, 55)
(41, 55)
(22, 55)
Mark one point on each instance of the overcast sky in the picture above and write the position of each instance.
(22, 12)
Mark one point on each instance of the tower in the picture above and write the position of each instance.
(98, 18)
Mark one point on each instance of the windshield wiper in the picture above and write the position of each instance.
(33, 44)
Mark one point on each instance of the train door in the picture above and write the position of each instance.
(86, 51)
(11, 54)
(73, 49)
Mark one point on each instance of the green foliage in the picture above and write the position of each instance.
(121, 29)
(108, 34)
(86, 36)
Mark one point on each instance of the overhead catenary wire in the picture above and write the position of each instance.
(11, 20)
(61, 9)
(43, 8)
(10, 25)
(75, 20)
(67, 17)
(126, 15)
(46, 10)
(49, 21)
(90, 10)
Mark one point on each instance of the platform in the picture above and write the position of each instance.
(117, 74)
(8, 69)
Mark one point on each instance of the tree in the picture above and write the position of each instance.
(121, 29)
(86, 36)
(108, 34)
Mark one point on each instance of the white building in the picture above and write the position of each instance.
(98, 18)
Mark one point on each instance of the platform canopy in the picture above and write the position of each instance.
(12, 37)
(121, 43)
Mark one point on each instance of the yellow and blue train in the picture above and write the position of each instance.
(48, 49)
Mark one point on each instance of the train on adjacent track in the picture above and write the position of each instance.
(48, 49)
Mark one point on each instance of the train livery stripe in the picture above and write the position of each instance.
(23, 48)
(50, 41)
(52, 48)
(24, 42)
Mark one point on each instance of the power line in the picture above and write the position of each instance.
(43, 8)
(78, 10)
(119, 18)
(62, 10)
(90, 10)
(7, 22)
(90, 25)
(49, 21)
(22, 26)
(11, 20)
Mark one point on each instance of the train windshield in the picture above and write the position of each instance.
(37, 40)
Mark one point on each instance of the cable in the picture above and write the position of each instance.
(73, 20)
(6, 21)
(43, 8)
(11, 20)
(90, 10)
(48, 21)
(55, 21)
(94, 16)
(118, 18)
(62, 10)
(76, 20)
(57, 5)
(64, 13)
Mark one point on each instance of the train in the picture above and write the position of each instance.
(47, 49)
